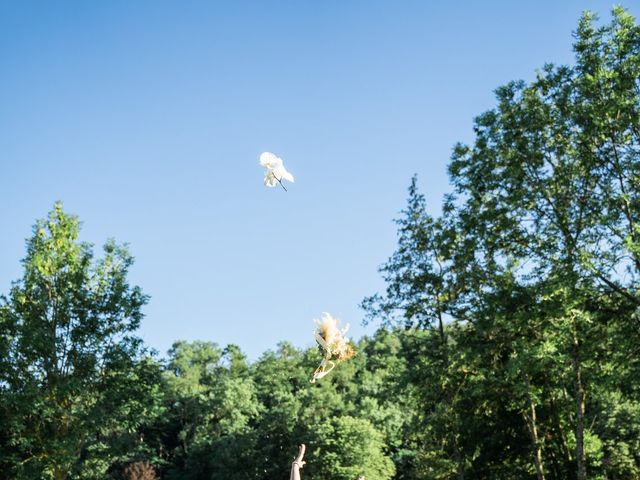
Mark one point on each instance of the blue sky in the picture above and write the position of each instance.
(147, 119)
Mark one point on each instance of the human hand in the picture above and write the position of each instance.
(298, 460)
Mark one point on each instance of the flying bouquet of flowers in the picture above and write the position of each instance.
(275, 171)
(333, 345)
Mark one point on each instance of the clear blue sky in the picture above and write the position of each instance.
(147, 119)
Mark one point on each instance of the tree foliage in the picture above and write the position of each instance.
(71, 376)
(534, 266)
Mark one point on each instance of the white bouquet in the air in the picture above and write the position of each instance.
(275, 171)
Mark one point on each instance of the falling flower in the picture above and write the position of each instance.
(335, 347)
(275, 170)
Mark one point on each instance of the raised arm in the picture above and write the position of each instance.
(297, 464)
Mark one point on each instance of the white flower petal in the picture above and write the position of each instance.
(270, 161)
(275, 169)
(286, 176)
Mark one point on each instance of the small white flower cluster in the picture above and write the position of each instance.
(275, 170)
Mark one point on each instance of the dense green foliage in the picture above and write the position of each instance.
(510, 336)
(534, 268)
(73, 384)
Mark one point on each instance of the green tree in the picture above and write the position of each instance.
(549, 189)
(346, 447)
(534, 268)
(69, 362)
(211, 403)
(280, 377)
(423, 292)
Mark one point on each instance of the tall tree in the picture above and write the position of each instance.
(550, 187)
(534, 261)
(70, 354)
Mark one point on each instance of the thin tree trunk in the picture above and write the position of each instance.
(530, 420)
(580, 406)
(535, 442)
